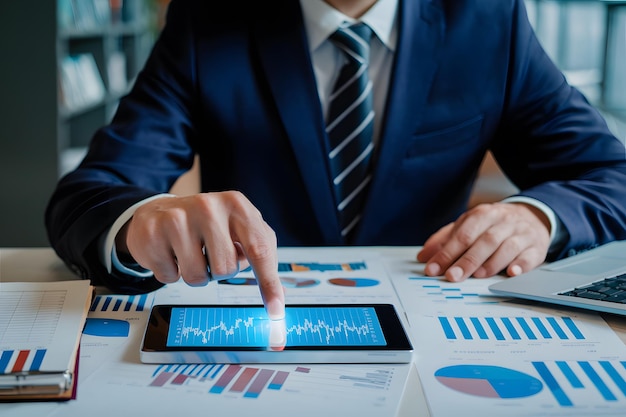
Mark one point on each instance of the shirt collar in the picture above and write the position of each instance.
(321, 20)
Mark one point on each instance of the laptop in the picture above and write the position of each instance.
(594, 280)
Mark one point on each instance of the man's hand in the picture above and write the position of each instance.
(487, 239)
(181, 236)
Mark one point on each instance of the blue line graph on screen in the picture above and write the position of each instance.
(250, 327)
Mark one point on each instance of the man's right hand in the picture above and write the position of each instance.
(181, 236)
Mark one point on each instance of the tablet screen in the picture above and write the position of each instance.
(234, 326)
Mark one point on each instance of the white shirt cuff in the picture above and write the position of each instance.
(555, 222)
(108, 253)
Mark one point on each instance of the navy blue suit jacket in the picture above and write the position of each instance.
(234, 84)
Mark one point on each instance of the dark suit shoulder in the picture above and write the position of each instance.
(488, 9)
(235, 13)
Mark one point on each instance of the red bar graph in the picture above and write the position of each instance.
(18, 366)
(243, 380)
(233, 378)
(180, 379)
(259, 383)
(278, 380)
(162, 379)
(225, 379)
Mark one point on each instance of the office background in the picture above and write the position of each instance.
(66, 63)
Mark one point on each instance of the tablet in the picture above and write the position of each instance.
(310, 333)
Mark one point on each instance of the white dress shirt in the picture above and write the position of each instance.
(321, 20)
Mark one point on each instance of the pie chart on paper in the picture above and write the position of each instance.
(238, 281)
(489, 381)
(354, 282)
(291, 282)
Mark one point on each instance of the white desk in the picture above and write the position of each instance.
(43, 265)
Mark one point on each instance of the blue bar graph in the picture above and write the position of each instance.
(542, 329)
(507, 328)
(569, 374)
(597, 381)
(554, 387)
(37, 360)
(217, 370)
(320, 267)
(526, 328)
(464, 329)
(4, 360)
(479, 328)
(435, 287)
(584, 383)
(615, 376)
(107, 301)
(494, 328)
(131, 305)
(555, 326)
(447, 329)
(114, 303)
(572, 327)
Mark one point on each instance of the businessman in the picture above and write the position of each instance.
(339, 122)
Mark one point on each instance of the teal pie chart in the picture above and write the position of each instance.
(354, 282)
(238, 281)
(489, 381)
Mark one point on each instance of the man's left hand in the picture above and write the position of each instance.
(486, 240)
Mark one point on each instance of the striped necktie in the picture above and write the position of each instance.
(350, 126)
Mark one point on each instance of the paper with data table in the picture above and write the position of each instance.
(494, 356)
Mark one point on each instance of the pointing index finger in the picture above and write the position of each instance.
(264, 262)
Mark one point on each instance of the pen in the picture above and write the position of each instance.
(25, 383)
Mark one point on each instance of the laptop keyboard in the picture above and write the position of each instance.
(609, 289)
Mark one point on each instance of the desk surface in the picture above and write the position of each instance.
(41, 264)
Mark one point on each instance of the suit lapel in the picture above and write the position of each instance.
(284, 55)
(420, 35)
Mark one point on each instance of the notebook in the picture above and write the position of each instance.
(40, 329)
(595, 280)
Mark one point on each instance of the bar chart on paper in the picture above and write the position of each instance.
(24, 360)
(249, 382)
(252, 382)
(126, 303)
(320, 267)
(439, 291)
(510, 328)
(578, 382)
